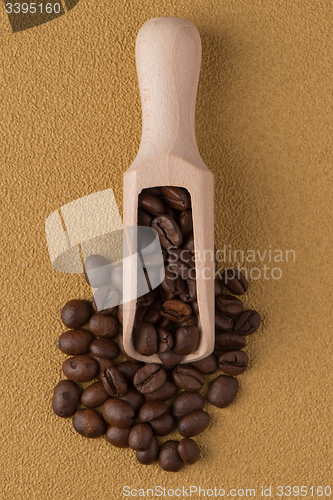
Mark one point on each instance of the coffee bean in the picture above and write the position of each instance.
(248, 322)
(186, 340)
(104, 326)
(89, 423)
(227, 341)
(133, 398)
(167, 295)
(188, 243)
(149, 378)
(145, 339)
(118, 413)
(192, 321)
(113, 382)
(185, 403)
(105, 300)
(75, 342)
(151, 455)
(223, 323)
(97, 270)
(151, 204)
(228, 305)
(165, 340)
(128, 369)
(152, 410)
(188, 378)
(140, 437)
(94, 395)
(218, 289)
(207, 365)
(182, 263)
(147, 314)
(222, 391)
(189, 451)
(185, 222)
(172, 283)
(171, 212)
(170, 358)
(80, 368)
(144, 219)
(103, 365)
(66, 397)
(152, 190)
(163, 323)
(169, 458)
(190, 293)
(104, 348)
(147, 299)
(233, 362)
(234, 281)
(175, 197)
(76, 313)
(168, 231)
(194, 305)
(117, 276)
(163, 425)
(117, 436)
(194, 423)
(165, 392)
(176, 310)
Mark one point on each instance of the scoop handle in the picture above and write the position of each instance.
(168, 58)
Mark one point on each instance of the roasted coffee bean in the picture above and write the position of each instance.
(169, 458)
(128, 369)
(194, 305)
(226, 341)
(97, 271)
(176, 197)
(140, 437)
(165, 392)
(104, 348)
(222, 391)
(149, 378)
(152, 190)
(75, 342)
(233, 362)
(188, 378)
(172, 283)
(118, 413)
(182, 263)
(151, 455)
(117, 436)
(228, 305)
(122, 348)
(167, 295)
(145, 339)
(165, 340)
(113, 382)
(207, 365)
(163, 323)
(186, 340)
(106, 298)
(151, 204)
(94, 395)
(188, 243)
(120, 313)
(176, 310)
(168, 231)
(147, 299)
(185, 403)
(190, 293)
(192, 321)
(218, 288)
(234, 281)
(223, 323)
(89, 423)
(133, 398)
(66, 397)
(189, 451)
(171, 212)
(80, 368)
(76, 313)
(170, 358)
(185, 222)
(117, 276)
(104, 326)
(194, 423)
(163, 425)
(152, 410)
(148, 314)
(144, 219)
(103, 365)
(248, 322)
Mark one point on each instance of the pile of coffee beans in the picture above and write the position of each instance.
(133, 403)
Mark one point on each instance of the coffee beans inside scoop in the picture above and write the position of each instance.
(132, 402)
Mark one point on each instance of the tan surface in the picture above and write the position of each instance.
(70, 125)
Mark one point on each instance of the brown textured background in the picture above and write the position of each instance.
(70, 125)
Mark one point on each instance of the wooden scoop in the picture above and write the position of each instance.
(168, 56)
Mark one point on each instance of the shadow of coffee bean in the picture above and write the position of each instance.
(23, 15)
